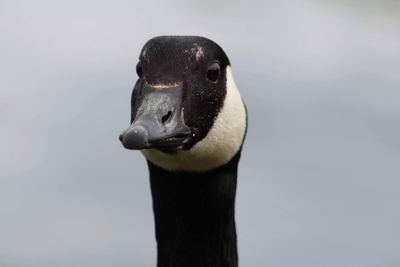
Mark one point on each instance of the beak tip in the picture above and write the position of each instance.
(134, 138)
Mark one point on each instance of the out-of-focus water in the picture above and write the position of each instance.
(320, 173)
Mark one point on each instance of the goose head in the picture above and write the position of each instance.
(186, 111)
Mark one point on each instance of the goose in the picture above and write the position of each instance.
(189, 121)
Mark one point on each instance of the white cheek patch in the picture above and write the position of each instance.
(221, 143)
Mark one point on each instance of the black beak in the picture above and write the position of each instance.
(158, 122)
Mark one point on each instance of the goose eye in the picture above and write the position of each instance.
(139, 70)
(213, 72)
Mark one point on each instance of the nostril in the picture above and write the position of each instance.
(121, 137)
(166, 117)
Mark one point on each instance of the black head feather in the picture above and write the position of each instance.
(186, 60)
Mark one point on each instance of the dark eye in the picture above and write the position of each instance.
(213, 72)
(139, 70)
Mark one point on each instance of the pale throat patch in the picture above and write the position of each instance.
(221, 143)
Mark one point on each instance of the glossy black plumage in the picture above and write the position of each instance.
(185, 60)
(194, 215)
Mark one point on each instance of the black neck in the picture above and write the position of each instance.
(194, 216)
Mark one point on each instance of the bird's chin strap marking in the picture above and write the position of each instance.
(221, 143)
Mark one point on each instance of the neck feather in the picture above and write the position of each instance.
(194, 216)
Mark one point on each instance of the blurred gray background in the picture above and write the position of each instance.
(320, 173)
